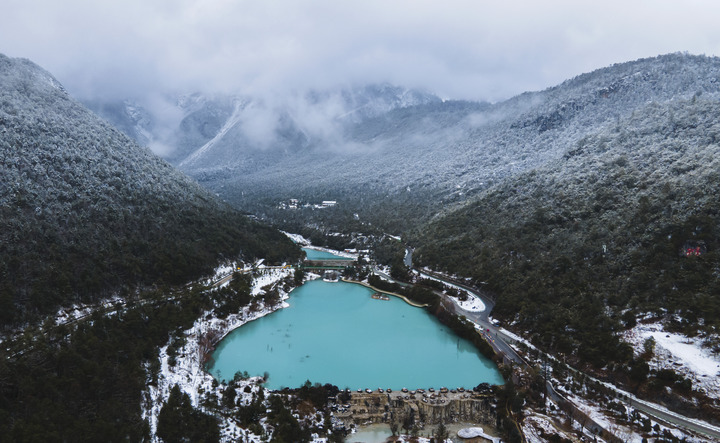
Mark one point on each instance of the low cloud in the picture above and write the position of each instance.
(458, 49)
(259, 124)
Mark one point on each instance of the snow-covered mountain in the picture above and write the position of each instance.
(187, 129)
(384, 143)
(622, 226)
(85, 211)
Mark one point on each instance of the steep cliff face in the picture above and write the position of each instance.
(433, 409)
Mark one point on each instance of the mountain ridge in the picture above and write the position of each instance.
(607, 224)
(85, 211)
(440, 152)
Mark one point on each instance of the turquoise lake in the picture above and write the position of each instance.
(336, 333)
(314, 254)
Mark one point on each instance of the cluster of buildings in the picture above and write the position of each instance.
(693, 248)
(294, 203)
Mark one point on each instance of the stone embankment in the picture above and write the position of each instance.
(407, 300)
(429, 408)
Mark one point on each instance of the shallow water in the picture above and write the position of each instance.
(336, 333)
(314, 254)
(375, 433)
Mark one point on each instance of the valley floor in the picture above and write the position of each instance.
(685, 355)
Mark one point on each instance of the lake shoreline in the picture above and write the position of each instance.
(407, 300)
(335, 329)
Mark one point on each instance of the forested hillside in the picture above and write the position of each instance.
(85, 212)
(626, 222)
(401, 166)
(397, 156)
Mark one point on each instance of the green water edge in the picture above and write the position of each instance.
(315, 254)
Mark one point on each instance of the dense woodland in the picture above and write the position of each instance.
(581, 207)
(85, 212)
(84, 381)
(577, 249)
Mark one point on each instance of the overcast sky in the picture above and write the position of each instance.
(484, 50)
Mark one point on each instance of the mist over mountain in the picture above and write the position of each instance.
(582, 209)
(188, 128)
(387, 145)
(85, 211)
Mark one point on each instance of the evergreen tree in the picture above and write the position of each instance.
(179, 422)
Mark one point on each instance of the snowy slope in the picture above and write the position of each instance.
(189, 374)
(684, 355)
(404, 145)
(443, 152)
(84, 210)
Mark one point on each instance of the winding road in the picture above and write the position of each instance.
(499, 340)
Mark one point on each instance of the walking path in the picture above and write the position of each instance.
(407, 300)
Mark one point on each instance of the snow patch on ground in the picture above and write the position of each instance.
(297, 238)
(76, 312)
(473, 303)
(684, 355)
(621, 431)
(600, 417)
(535, 425)
(268, 277)
(516, 338)
(225, 270)
(383, 272)
(606, 418)
(476, 433)
(222, 271)
(406, 439)
(189, 374)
